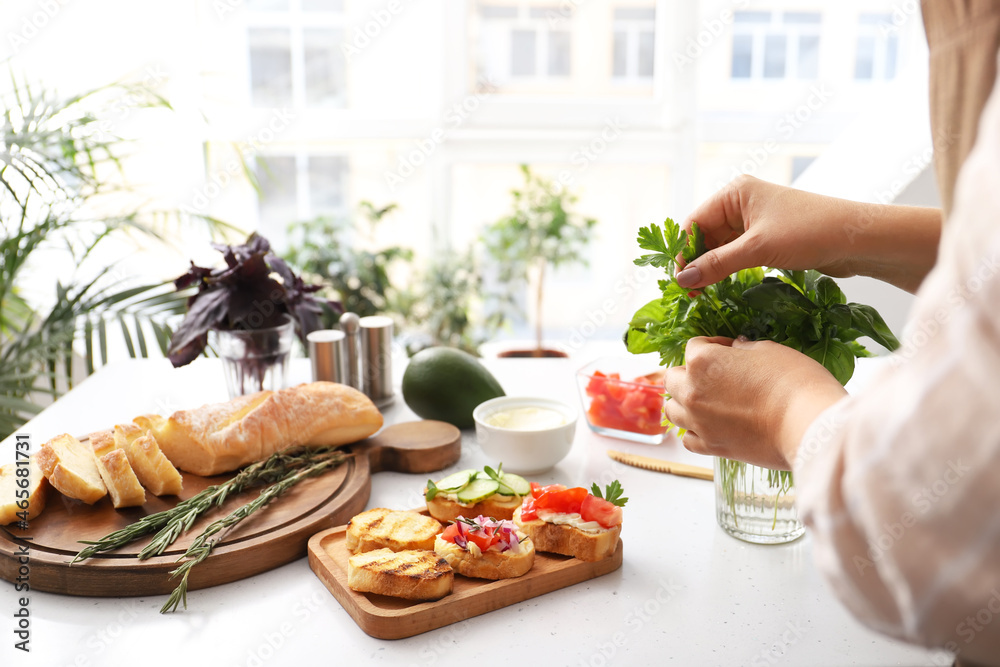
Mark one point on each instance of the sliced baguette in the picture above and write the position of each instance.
(381, 528)
(37, 486)
(221, 437)
(486, 564)
(496, 506)
(70, 466)
(116, 472)
(411, 575)
(152, 468)
(569, 541)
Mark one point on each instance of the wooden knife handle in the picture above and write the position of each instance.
(414, 447)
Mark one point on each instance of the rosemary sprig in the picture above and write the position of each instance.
(202, 547)
(173, 522)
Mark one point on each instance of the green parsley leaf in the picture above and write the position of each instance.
(612, 493)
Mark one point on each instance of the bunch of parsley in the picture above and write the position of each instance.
(804, 310)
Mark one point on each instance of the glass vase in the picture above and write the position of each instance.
(255, 359)
(756, 504)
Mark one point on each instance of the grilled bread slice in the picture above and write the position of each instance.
(9, 488)
(411, 575)
(570, 541)
(445, 509)
(151, 467)
(71, 467)
(486, 564)
(383, 528)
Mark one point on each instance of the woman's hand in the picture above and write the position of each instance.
(750, 401)
(751, 223)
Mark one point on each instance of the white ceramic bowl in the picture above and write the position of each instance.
(525, 452)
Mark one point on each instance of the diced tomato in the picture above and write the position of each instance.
(626, 406)
(538, 490)
(449, 533)
(483, 538)
(607, 514)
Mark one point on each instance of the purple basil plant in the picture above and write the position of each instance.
(256, 290)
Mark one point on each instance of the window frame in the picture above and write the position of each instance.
(633, 29)
(776, 26)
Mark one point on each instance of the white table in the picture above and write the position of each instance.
(687, 593)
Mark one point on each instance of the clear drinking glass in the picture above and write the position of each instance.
(255, 359)
(756, 504)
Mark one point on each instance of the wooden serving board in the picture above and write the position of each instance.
(386, 617)
(275, 535)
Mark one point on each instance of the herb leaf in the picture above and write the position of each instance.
(431, 490)
(612, 493)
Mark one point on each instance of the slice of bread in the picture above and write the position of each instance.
(486, 564)
(152, 468)
(399, 531)
(71, 467)
(496, 507)
(118, 476)
(411, 575)
(569, 541)
(116, 471)
(37, 486)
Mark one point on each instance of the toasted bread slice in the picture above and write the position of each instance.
(122, 483)
(9, 487)
(486, 564)
(152, 468)
(445, 509)
(383, 528)
(71, 467)
(569, 541)
(411, 575)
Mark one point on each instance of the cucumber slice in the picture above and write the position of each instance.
(505, 490)
(517, 484)
(477, 490)
(456, 481)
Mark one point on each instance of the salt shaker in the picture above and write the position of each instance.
(349, 325)
(327, 352)
(376, 358)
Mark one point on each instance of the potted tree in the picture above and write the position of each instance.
(539, 233)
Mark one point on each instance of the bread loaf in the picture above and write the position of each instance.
(70, 466)
(221, 437)
(9, 491)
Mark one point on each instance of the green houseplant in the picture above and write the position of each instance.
(58, 166)
(540, 232)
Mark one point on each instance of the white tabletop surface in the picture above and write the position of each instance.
(687, 593)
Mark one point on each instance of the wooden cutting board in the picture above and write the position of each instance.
(273, 536)
(394, 618)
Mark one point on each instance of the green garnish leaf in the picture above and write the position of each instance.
(612, 493)
(695, 245)
(432, 490)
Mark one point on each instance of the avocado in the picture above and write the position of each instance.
(447, 384)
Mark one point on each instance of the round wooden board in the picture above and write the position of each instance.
(273, 536)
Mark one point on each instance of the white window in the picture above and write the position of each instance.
(877, 49)
(775, 45)
(295, 57)
(299, 187)
(634, 40)
(525, 43)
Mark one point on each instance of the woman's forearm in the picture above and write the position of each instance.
(895, 244)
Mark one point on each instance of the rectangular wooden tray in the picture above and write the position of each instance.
(385, 617)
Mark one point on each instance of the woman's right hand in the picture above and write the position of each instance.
(751, 222)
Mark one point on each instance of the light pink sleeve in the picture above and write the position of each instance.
(900, 483)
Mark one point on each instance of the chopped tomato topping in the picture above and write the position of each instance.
(607, 514)
(634, 406)
(577, 500)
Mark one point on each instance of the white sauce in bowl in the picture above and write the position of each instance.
(527, 419)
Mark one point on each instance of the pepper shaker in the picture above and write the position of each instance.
(327, 355)
(376, 358)
(349, 325)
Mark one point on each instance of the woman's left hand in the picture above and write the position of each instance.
(747, 400)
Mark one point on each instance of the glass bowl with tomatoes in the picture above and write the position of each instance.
(623, 397)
